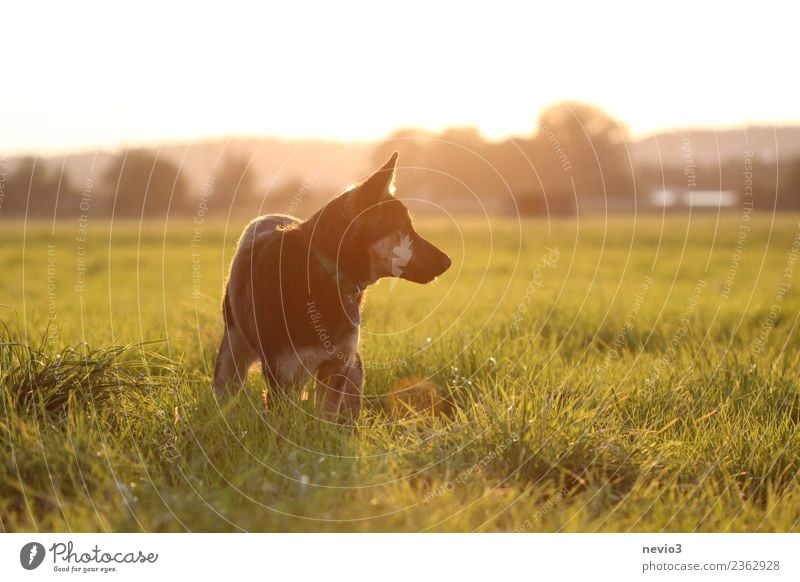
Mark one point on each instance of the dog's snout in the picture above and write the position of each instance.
(428, 263)
(446, 262)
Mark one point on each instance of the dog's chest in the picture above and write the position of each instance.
(296, 363)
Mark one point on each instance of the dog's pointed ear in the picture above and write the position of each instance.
(380, 186)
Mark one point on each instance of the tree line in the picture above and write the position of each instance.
(136, 184)
(577, 157)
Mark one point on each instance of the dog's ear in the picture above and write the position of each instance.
(379, 186)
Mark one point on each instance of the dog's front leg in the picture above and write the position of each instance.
(281, 382)
(338, 390)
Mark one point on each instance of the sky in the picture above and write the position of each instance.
(93, 75)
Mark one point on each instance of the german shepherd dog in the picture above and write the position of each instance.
(295, 290)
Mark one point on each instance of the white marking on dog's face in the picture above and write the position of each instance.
(390, 255)
(401, 255)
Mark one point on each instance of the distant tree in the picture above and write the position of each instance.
(234, 188)
(33, 189)
(791, 186)
(586, 145)
(292, 196)
(140, 183)
(417, 151)
(463, 158)
(776, 183)
(451, 163)
(412, 145)
(574, 144)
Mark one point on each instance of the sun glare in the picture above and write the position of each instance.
(188, 72)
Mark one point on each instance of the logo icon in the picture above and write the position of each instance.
(402, 255)
(31, 555)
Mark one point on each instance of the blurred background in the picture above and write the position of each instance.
(147, 110)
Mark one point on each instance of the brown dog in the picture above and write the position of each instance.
(294, 294)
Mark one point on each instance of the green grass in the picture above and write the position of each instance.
(636, 382)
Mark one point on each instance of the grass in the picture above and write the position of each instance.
(616, 375)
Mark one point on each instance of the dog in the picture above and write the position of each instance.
(295, 290)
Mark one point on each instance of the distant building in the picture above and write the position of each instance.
(670, 199)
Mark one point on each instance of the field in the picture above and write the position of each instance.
(622, 374)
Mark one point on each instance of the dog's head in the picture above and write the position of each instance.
(378, 239)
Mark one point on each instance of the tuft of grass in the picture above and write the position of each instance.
(37, 381)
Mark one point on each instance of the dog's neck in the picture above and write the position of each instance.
(346, 287)
(322, 234)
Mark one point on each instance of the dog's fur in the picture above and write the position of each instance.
(293, 298)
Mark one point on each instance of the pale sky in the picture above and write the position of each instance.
(86, 75)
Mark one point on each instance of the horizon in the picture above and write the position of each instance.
(216, 139)
(91, 78)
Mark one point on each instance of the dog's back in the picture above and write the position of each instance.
(261, 238)
(264, 229)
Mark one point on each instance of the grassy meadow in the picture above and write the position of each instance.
(619, 374)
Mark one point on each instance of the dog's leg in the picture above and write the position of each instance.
(233, 361)
(272, 386)
(338, 390)
(282, 381)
